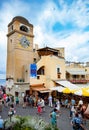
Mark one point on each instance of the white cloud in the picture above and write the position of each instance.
(43, 17)
(72, 40)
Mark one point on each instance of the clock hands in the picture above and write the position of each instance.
(24, 42)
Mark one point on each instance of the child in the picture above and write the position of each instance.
(39, 109)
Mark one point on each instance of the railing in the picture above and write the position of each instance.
(79, 81)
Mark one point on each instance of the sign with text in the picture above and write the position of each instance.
(33, 70)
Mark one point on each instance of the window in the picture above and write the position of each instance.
(74, 76)
(34, 60)
(38, 77)
(58, 73)
(23, 28)
(82, 76)
(58, 70)
(41, 71)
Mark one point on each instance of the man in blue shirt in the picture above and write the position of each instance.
(77, 123)
(73, 101)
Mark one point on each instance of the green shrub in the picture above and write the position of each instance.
(50, 127)
(28, 123)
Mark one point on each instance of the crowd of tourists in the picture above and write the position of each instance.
(77, 113)
(76, 108)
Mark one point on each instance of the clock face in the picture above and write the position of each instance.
(24, 42)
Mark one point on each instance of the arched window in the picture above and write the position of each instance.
(23, 28)
(58, 73)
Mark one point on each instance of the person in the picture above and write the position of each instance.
(12, 110)
(62, 102)
(57, 105)
(73, 103)
(73, 111)
(83, 109)
(31, 102)
(7, 100)
(24, 101)
(50, 101)
(70, 108)
(39, 109)
(79, 108)
(1, 123)
(42, 104)
(17, 100)
(4, 98)
(53, 116)
(77, 123)
(80, 102)
(34, 101)
(66, 103)
(0, 104)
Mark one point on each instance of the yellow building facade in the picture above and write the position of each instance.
(49, 69)
(50, 62)
(19, 47)
(21, 53)
(77, 72)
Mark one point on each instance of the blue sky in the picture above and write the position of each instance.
(57, 23)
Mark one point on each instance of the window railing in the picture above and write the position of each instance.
(78, 80)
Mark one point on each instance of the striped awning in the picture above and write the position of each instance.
(66, 84)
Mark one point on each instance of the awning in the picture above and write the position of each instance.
(67, 84)
(78, 72)
(61, 89)
(67, 90)
(54, 88)
(82, 92)
(45, 91)
(37, 85)
(57, 88)
(40, 89)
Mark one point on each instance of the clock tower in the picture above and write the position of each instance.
(19, 47)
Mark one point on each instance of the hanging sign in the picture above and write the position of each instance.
(33, 70)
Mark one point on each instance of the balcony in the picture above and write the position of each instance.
(79, 81)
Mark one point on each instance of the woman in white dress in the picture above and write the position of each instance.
(57, 105)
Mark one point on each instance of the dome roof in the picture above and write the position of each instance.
(20, 19)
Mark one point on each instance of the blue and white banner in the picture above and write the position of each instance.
(33, 70)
